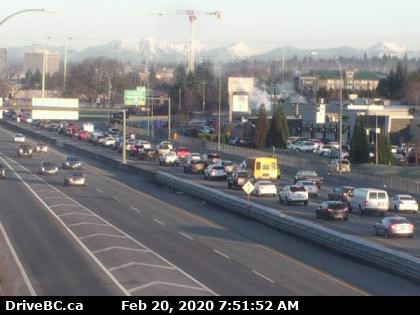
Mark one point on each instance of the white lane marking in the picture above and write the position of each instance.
(135, 263)
(88, 252)
(18, 262)
(75, 213)
(117, 229)
(262, 276)
(63, 205)
(135, 209)
(101, 234)
(44, 191)
(160, 222)
(116, 199)
(101, 191)
(221, 254)
(153, 283)
(52, 197)
(120, 247)
(87, 223)
(186, 235)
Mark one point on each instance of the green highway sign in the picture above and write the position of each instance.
(135, 97)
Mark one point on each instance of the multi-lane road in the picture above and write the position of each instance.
(123, 234)
(357, 225)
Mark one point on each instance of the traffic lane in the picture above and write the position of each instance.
(54, 263)
(356, 225)
(302, 211)
(248, 283)
(136, 268)
(403, 287)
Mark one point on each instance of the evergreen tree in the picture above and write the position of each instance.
(359, 152)
(279, 131)
(261, 127)
(384, 149)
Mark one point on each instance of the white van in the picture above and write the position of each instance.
(369, 200)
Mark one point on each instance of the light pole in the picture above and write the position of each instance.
(27, 10)
(204, 102)
(65, 63)
(44, 66)
(220, 100)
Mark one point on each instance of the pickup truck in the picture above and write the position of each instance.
(238, 178)
(306, 175)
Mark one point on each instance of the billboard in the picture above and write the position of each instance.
(237, 84)
(135, 97)
(38, 113)
(240, 103)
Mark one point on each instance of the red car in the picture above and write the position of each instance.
(84, 135)
(182, 153)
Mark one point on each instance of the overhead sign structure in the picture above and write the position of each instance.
(39, 113)
(135, 97)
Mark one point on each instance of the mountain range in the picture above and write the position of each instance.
(136, 50)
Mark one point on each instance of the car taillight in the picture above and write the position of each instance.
(366, 203)
(330, 210)
(393, 227)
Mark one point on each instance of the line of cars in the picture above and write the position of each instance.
(306, 183)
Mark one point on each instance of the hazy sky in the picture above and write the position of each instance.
(262, 24)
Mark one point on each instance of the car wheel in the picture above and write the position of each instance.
(229, 185)
(287, 201)
(346, 218)
(395, 208)
(317, 215)
(305, 203)
(387, 235)
(376, 231)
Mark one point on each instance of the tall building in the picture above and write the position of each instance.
(33, 61)
(3, 62)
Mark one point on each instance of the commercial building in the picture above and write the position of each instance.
(33, 62)
(3, 62)
(330, 80)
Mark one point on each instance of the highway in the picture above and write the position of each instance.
(141, 238)
(357, 225)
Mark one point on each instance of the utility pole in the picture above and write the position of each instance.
(204, 102)
(220, 100)
(147, 98)
(44, 67)
(376, 139)
(169, 119)
(179, 101)
(124, 144)
(65, 63)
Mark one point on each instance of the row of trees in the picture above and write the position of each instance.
(359, 152)
(274, 133)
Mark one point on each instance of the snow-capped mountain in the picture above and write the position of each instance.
(233, 52)
(388, 48)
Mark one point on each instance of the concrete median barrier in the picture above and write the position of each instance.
(393, 261)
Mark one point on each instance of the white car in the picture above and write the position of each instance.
(310, 187)
(169, 158)
(265, 188)
(303, 146)
(404, 203)
(108, 141)
(195, 156)
(336, 145)
(324, 150)
(167, 143)
(19, 138)
(215, 171)
(144, 143)
(293, 193)
(163, 149)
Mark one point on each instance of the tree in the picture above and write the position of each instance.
(384, 149)
(279, 130)
(261, 127)
(359, 152)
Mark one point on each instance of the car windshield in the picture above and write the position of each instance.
(72, 159)
(213, 156)
(26, 147)
(219, 168)
(242, 174)
(406, 198)
(308, 183)
(48, 163)
(336, 205)
(297, 189)
(265, 183)
(309, 173)
(398, 221)
(76, 174)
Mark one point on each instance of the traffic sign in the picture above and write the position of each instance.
(135, 97)
(248, 187)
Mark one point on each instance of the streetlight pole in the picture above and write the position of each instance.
(341, 116)
(124, 144)
(65, 63)
(220, 100)
(27, 10)
(204, 102)
(169, 119)
(44, 67)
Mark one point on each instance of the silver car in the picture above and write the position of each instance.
(75, 178)
(48, 167)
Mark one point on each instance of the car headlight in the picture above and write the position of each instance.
(67, 163)
(20, 150)
(56, 169)
(30, 150)
(43, 169)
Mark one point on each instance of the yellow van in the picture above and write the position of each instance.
(263, 168)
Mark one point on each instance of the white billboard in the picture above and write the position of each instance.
(236, 84)
(240, 103)
(55, 114)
